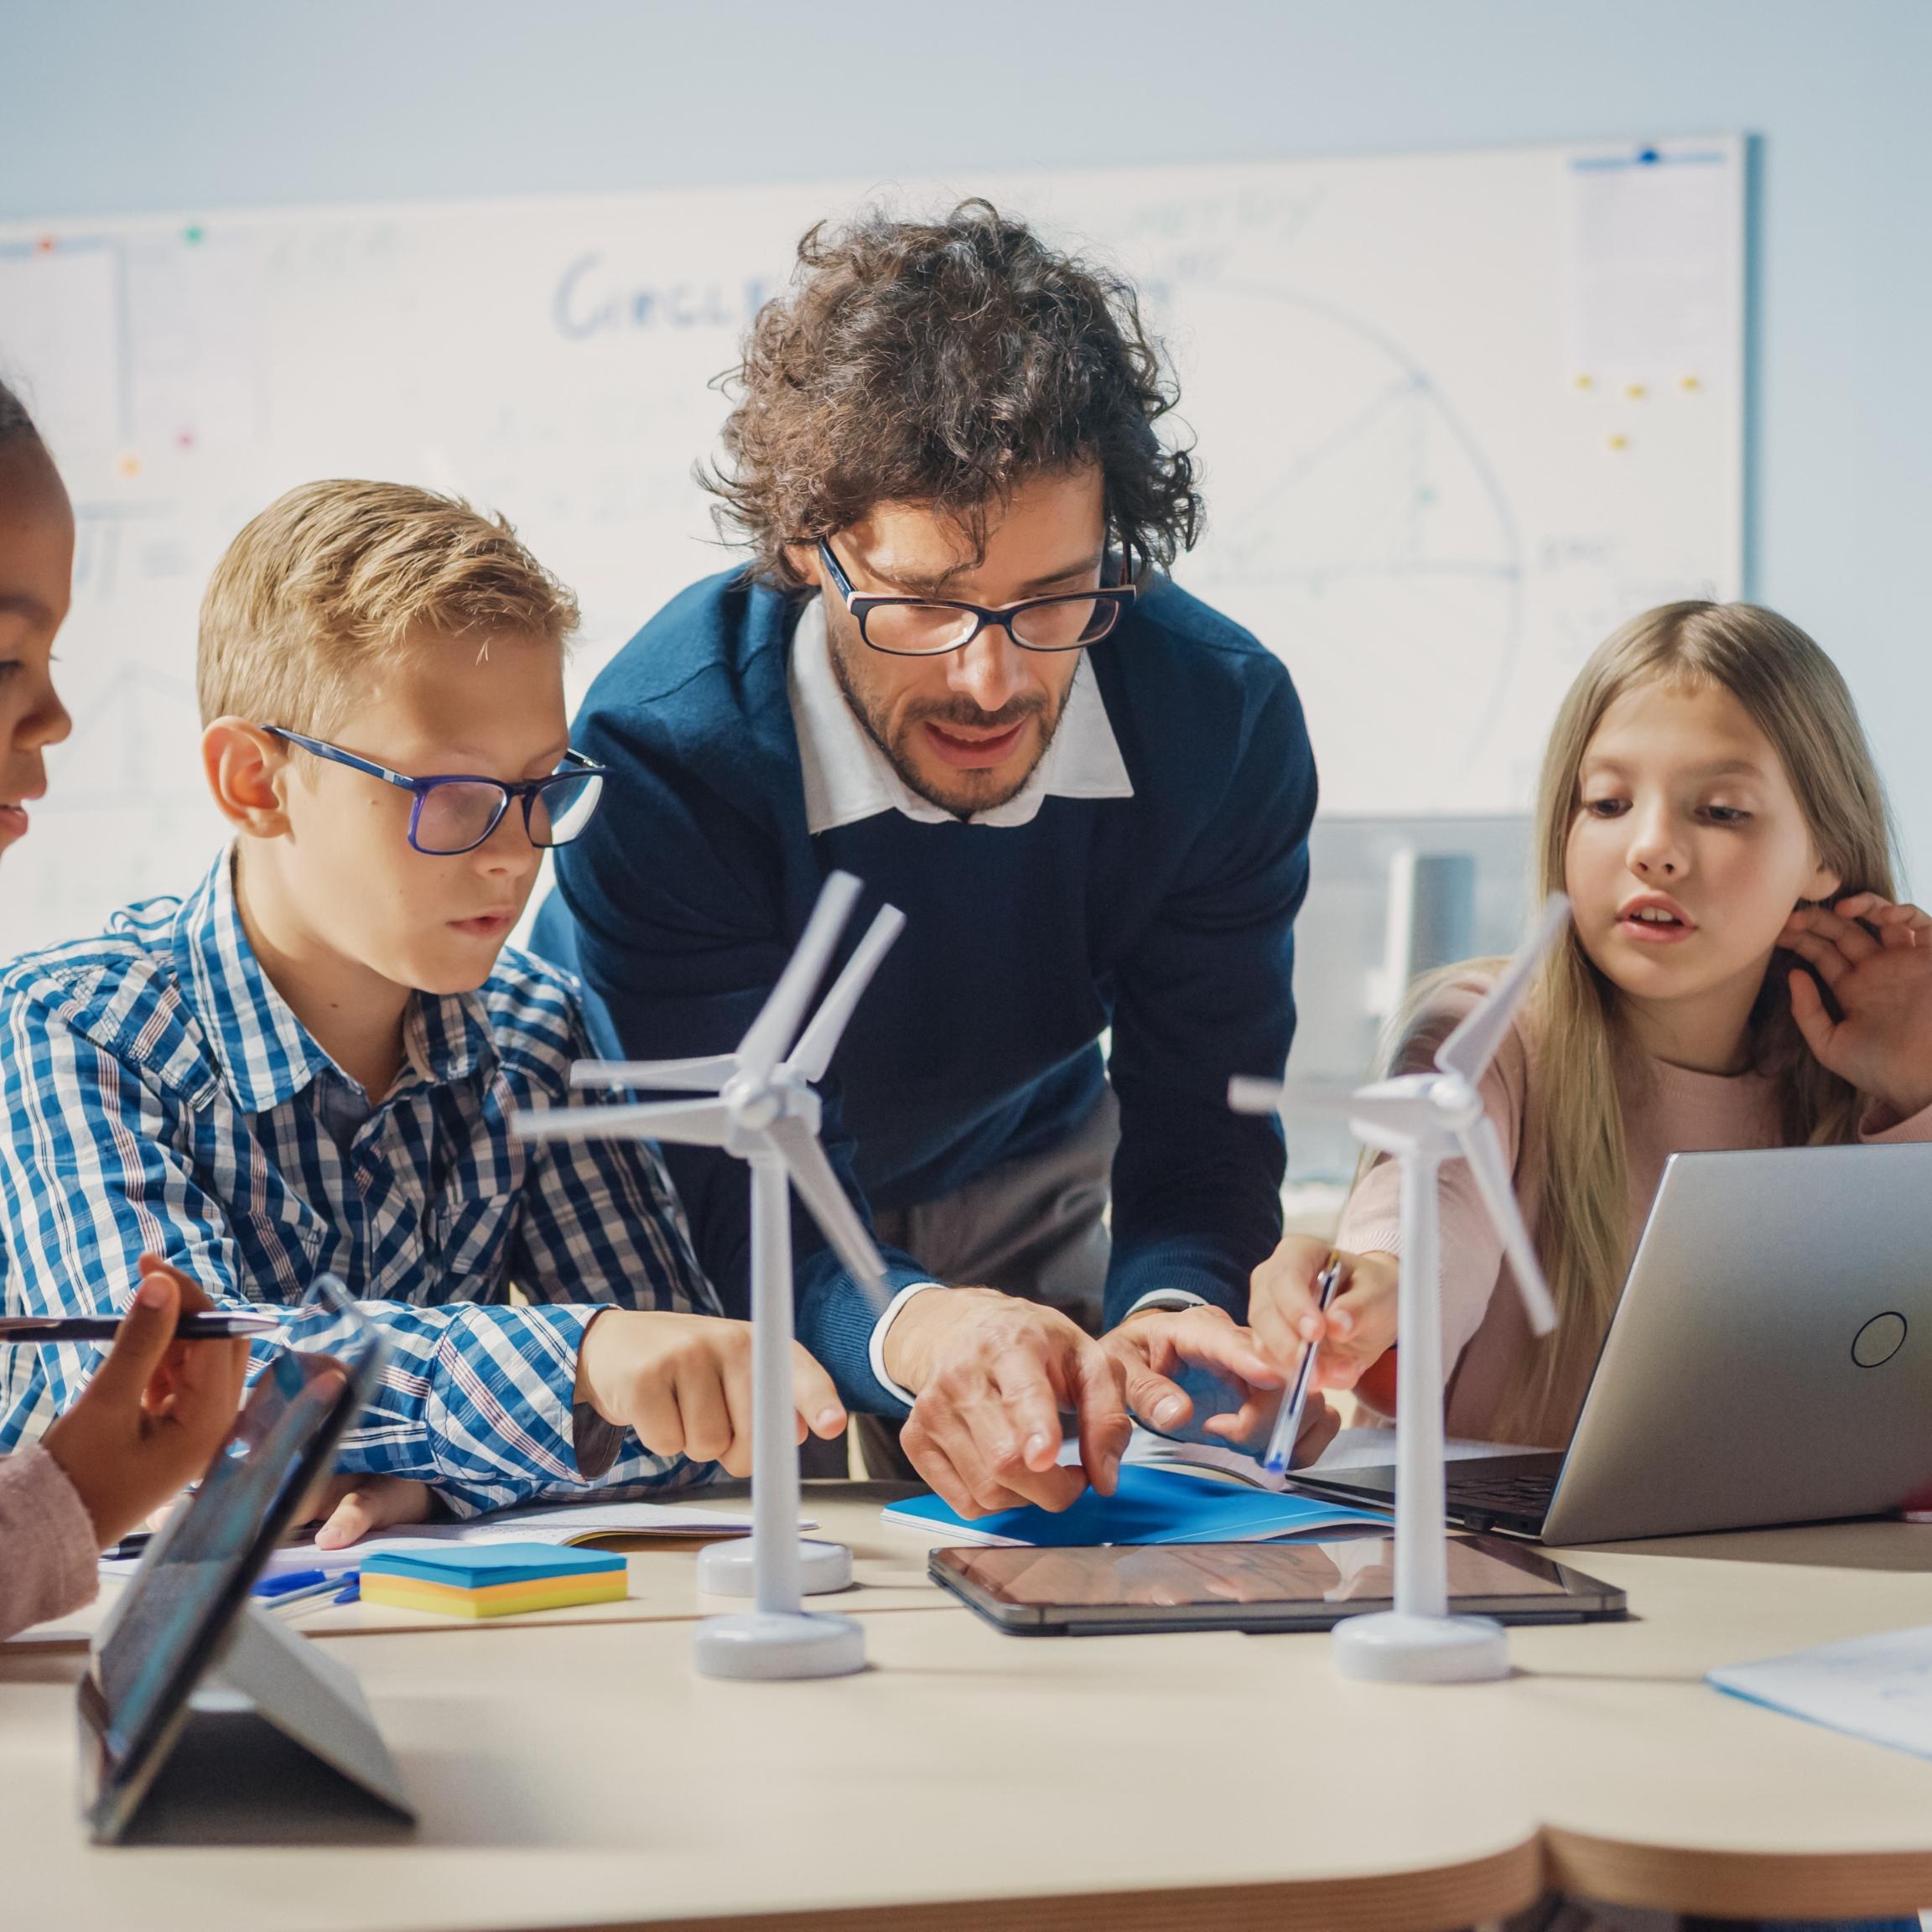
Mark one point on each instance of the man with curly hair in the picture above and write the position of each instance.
(955, 666)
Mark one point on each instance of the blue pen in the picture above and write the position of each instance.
(310, 1597)
(1288, 1418)
(272, 1587)
(353, 1594)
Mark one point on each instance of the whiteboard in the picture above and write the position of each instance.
(1456, 416)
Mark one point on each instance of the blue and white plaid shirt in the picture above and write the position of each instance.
(160, 1095)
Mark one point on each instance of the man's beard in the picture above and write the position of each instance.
(974, 792)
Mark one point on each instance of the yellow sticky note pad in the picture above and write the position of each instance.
(497, 1599)
(494, 1580)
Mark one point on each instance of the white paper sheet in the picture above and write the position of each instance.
(1655, 249)
(1878, 1688)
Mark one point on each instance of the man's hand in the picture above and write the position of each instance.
(156, 1410)
(1152, 1349)
(991, 1375)
(683, 1384)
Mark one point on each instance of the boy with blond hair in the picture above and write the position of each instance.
(312, 1061)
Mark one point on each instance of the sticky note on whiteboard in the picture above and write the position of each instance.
(1655, 262)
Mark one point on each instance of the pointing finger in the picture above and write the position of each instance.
(1032, 1411)
(1105, 1425)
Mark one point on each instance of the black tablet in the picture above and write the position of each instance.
(194, 1580)
(1305, 1584)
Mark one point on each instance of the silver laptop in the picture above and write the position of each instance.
(1770, 1361)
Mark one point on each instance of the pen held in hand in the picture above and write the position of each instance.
(1288, 1418)
(22, 1331)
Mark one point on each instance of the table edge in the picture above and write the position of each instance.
(1735, 1884)
(1423, 1899)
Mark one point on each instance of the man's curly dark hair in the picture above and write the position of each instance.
(942, 363)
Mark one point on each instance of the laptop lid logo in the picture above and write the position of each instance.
(1879, 1340)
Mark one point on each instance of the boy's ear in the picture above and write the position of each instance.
(246, 770)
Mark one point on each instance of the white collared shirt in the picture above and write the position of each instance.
(847, 777)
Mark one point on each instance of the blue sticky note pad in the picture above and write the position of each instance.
(1149, 1506)
(476, 1566)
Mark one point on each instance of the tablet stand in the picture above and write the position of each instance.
(272, 1731)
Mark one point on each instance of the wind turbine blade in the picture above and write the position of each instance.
(706, 1075)
(1405, 1113)
(1396, 1112)
(829, 1205)
(695, 1123)
(1248, 1095)
(771, 1032)
(1469, 1049)
(1484, 1150)
(813, 1053)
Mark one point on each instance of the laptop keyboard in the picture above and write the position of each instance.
(1525, 1495)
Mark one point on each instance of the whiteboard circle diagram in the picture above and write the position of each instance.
(1355, 526)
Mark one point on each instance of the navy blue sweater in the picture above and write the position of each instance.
(1168, 917)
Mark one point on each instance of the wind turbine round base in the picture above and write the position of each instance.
(731, 1568)
(1390, 1648)
(771, 1645)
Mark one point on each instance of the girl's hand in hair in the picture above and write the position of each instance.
(1876, 956)
(1358, 1326)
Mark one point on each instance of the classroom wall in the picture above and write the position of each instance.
(114, 106)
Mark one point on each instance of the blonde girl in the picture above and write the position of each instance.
(1739, 974)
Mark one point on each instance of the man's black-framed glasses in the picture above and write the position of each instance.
(458, 811)
(930, 627)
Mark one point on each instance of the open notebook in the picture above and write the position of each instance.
(565, 1523)
(1150, 1505)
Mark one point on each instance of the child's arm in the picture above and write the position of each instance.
(663, 1382)
(155, 1411)
(147, 1425)
(681, 1383)
(48, 1559)
(1282, 1299)
(1357, 1326)
(100, 1168)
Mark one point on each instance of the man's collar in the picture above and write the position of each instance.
(849, 778)
(267, 1055)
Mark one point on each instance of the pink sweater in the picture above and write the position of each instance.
(1666, 1110)
(47, 1551)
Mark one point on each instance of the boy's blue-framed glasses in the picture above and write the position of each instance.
(930, 627)
(458, 811)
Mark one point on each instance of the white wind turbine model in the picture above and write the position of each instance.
(1424, 1120)
(760, 1107)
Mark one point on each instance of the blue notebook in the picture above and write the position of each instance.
(1149, 1506)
